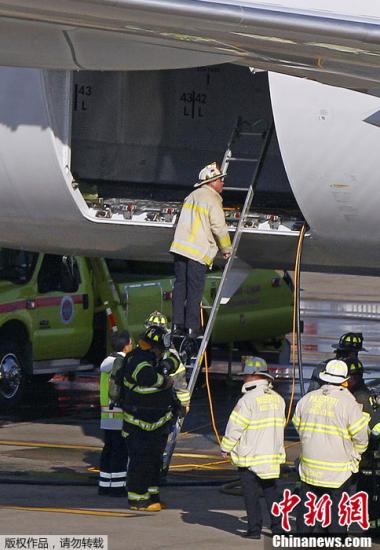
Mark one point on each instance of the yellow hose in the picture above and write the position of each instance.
(295, 307)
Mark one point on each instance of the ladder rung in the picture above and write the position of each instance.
(242, 159)
(236, 189)
(251, 133)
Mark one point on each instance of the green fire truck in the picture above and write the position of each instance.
(53, 312)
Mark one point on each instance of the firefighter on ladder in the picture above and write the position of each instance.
(333, 432)
(149, 406)
(201, 230)
(113, 460)
(158, 319)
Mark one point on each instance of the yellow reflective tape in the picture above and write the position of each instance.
(376, 428)
(141, 389)
(192, 250)
(312, 481)
(326, 466)
(271, 424)
(139, 367)
(137, 496)
(225, 242)
(148, 426)
(360, 447)
(194, 228)
(228, 443)
(240, 417)
(259, 459)
(269, 419)
(192, 206)
(183, 396)
(359, 424)
(323, 428)
(160, 380)
(180, 370)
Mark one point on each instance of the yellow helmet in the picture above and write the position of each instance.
(156, 319)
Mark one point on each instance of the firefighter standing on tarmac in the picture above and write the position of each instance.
(368, 478)
(113, 460)
(149, 405)
(157, 319)
(333, 431)
(254, 440)
(347, 350)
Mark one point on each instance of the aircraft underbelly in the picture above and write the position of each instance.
(43, 208)
(331, 155)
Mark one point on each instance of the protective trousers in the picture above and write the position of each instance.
(253, 488)
(188, 289)
(113, 464)
(335, 494)
(145, 450)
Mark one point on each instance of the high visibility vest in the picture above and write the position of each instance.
(111, 418)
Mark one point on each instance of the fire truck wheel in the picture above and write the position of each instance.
(12, 375)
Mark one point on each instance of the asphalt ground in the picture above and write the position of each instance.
(50, 448)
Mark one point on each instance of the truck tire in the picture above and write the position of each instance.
(12, 375)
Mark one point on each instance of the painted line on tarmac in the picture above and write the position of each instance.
(16, 443)
(79, 511)
(49, 445)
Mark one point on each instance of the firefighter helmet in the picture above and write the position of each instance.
(255, 365)
(209, 173)
(155, 336)
(350, 341)
(156, 319)
(336, 372)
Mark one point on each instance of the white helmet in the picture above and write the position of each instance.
(336, 372)
(209, 173)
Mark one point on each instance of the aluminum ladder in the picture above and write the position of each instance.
(220, 297)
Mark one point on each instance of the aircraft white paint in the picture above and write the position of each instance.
(330, 152)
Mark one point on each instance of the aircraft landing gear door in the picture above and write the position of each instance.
(63, 308)
(142, 299)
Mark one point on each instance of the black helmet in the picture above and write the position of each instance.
(350, 341)
(156, 319)
(155, 336)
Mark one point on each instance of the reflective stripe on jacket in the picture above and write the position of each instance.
(148, 399)
(201, 228)
(179, 378)
(111, 419)
(333, 431)
(255, 430)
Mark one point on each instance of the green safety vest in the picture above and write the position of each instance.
(111, 419)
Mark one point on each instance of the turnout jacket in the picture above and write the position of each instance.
(255, 430)
(201, 228)
(147, 396)
(333, 431)
(179, 377)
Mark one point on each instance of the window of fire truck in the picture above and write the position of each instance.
(17, 266)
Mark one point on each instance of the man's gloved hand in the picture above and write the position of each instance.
(166, 367)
